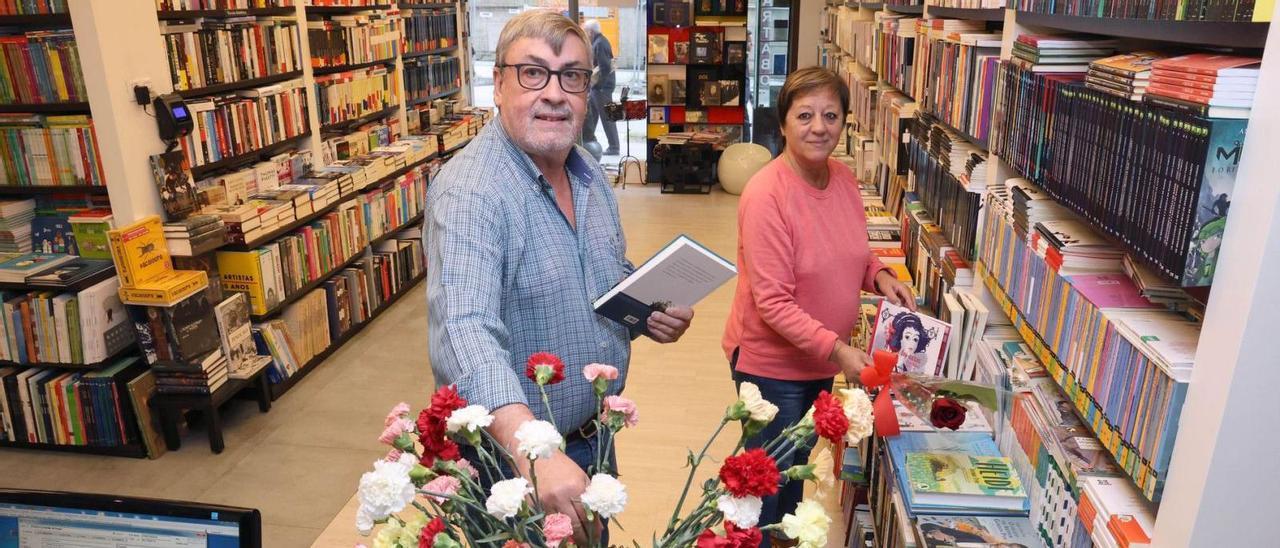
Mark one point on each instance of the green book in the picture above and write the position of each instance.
(958, 479)
(73, 330)
(73, 404)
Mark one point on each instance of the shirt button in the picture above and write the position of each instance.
(604, 344)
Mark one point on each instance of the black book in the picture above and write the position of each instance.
(193, 326)
(73, 272)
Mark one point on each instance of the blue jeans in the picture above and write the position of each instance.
(581, 451)
(793, 398)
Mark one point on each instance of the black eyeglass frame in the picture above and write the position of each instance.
(519, 66)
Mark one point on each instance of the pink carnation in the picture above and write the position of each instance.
(392, 432)
(593, 370)
(624, 407)
(400, 411)
(442, 485)
(465, 465)
(393, 455)
(556, 528)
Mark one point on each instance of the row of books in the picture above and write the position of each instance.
(53, 327)
(346, 300)
(948, 174)
(32, 7)
(185, 5)
(429, 29)
(955, 64)
(102, 408)
(456, 127)
(853, 36)
(1193, 10)
(346, 3)
(225, 192)
(699, 45)
(1158, 180)
(248, 120)
(40, 150)
(1125, 362)
(427, 76)
(936, 266)
(895, 50)
(208, 52)
(40, 67)
(359, 141)
(349, 95)
(969, 4)
(353, 39)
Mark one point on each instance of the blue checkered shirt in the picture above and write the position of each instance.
(508, 276)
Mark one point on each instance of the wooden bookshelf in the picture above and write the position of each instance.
(127, 350)
(1200, 33)
(242, 84)
(170, 15)
(908, 10)
(346, 126)
(136, 451)
(299, 223)
(72, 288)
(438, 51)
(202, 171)
(26, 190)
(319, 10)
(46, 20)
(321, 71)
(279, 389)
(46, 108)
(426, 6)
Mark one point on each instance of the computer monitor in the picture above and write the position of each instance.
(45, 518)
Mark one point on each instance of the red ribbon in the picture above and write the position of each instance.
(877, 376)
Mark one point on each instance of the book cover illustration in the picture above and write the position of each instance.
(659, 94)
(193, 326)
(710, 95)
(658, 49)
(1226, 143)
(53, 234)
(958, 531)
(236, 332)
(657, 115)
(735, 53)
(919, 341)
(730, 93)
(958, 473)
(680, 52)
(678, 91)
(177, 190)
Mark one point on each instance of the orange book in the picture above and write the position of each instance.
(1211, 64)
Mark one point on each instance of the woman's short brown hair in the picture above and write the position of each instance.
(809, 80)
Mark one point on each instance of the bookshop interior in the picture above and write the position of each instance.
(890, 274)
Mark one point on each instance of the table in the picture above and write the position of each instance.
(170, 408)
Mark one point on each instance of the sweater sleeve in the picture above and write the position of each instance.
(768, 252)
(874, 266)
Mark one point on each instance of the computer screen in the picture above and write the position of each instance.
(73, 520)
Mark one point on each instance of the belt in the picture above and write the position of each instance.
(584, 432)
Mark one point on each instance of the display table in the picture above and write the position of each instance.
(170, 407)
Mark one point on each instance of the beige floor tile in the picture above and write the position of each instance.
(286, 536)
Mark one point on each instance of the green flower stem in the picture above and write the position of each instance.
(533, 478)
(693, 468)
(547, 403)
(599, 426)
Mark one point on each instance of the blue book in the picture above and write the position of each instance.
(974, 443)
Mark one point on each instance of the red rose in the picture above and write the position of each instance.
(734, 537)
(550, 364)
(428, 537)
(947, 413)
(828, 417)
(753, 473)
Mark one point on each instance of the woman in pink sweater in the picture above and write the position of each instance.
(803, 257)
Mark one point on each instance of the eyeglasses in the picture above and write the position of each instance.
(535, 77)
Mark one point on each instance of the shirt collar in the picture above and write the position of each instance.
(576, 163)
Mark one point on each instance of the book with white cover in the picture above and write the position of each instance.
(681, 274)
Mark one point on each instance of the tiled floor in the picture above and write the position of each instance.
(300, 463)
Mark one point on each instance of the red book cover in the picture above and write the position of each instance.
(1210, 64)
(1176, 80)
(1186, 94)
(675, 115)
(726, 115)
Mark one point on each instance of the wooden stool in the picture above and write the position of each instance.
(171, 406)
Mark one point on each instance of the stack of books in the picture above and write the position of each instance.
(1125, 75)
(195, 235)
(1070, 247)
(1059, 54)
(956, 473)
(184, 333)
(1114, 513)
(221, 51)
(203, 377)
(17, 268)
(1205, 84)
(147, 276)
(15, 225)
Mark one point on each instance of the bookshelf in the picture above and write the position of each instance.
(175, 15)
(342, 10)
(346, 125)
(47, 108)
(136, 451)
(241, 160)
(321, 71)
(242, 84)
(1229, 378)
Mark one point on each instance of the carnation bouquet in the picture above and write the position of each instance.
(424, 494)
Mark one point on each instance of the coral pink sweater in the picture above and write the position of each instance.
(802, 259)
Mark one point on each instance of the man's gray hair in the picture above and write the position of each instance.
(543, 24)
(592, 26)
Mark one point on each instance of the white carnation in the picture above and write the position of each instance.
(472, 418)
(858, 409)
(538, 439)
(387, 489)
(743, 512)
(808, 525)
(605, 495)
(364, 522)
(506, 497)
(759, 408)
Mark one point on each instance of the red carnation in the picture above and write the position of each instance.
(428, 537)
(734, 537)
(544, 368)
(751, 474)
(828, 417)
(445, 401)
(947, 413)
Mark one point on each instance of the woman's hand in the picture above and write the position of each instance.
(851, 362)
(895, 291)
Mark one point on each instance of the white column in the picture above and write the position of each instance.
(1222, 483)
(119, 43)
(808, 26)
